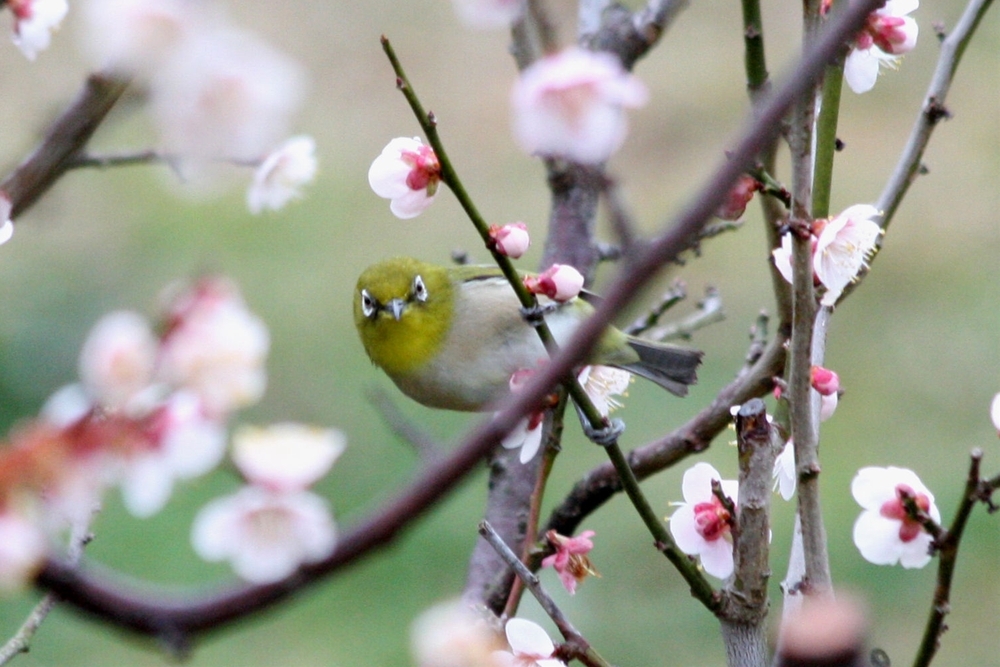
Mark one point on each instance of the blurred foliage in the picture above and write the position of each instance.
(917, 346)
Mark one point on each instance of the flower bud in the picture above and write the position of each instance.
(825, 381)
(560, 282)
(511, 240)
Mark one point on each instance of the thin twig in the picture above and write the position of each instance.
(426, 447)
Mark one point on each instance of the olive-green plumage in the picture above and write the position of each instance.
(451, 337)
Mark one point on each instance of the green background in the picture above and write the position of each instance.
(917, 346)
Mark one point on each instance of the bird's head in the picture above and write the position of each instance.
(402, 310)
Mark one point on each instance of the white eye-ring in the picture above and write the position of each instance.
(419, 289)
(369, 306)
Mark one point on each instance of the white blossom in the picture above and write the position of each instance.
(701, 524)
(281, 175)
(884, 533)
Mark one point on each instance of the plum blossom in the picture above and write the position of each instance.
(824, 380)
(225, 94)
(841, 247)
(270, 527)
(215, 347)
(23, 548)
(783, 472)
(451, 634)
(560, 282)
(572, 105)
(118, 359)
(887, 34)
(884, 533)
(527, 433)
(280, 176)
(570, 559)
(602, 384)
(530, 646)
(511, 240)
(407, 173)
(34, 22)
(701, 524)
(995, 412)
(265, 535)
(286, 456)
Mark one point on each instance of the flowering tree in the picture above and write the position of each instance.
(157, 401)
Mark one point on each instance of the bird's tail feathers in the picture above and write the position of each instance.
(671, 367)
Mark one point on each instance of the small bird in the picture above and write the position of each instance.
(451, 337)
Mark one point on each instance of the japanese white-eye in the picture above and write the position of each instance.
(451, 337)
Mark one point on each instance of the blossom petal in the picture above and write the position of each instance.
(717, 558)
(861, 70)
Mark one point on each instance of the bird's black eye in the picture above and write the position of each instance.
(419, 289)
(369, 305)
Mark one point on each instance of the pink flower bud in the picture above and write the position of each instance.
(739, 196)
(825, 381)
(560, 282)
(511, 240)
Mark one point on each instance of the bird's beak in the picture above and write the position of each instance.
(396, 307)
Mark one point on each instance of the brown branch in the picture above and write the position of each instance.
(63, 141)
(178, 616)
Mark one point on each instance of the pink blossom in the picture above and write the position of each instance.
(408, 174)
(884, 533)
(215, 347)
(118, 358)
(511, 240)
(843, 248)
(286, 457)
(701, 524)
(739, 196)
(530, 646)
(571, 105)
(265, 535)
(570, 559)
(22, 551)
(34, 22)
(888, 33)
(487, 14)
(560, 282)
(824, 380)
(280, 176)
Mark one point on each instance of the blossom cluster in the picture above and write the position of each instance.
(151, 408)
(888, 34)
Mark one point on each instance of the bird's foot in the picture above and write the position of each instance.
(604, 436)
(535, 315)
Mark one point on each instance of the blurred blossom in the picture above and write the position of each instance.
(451, 634)
(34, 21)
(888, 33)
(225, 95)
(511, 240)
(884, 533)
(118, 358)
(530, 646)
(843, 247)
(739, 196)
(281, 175)
(571, 104)
(701, 524)
(6, 224)
(23, 548)
(408, 174)
(265, 535)
(488, 14)
(602, 384)
(784, 471)
(67, 405)
(138, 35)
(286, 457)
(995, 412)
(824, 380)
(560, 282)
(215, 347)
(570, 560)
